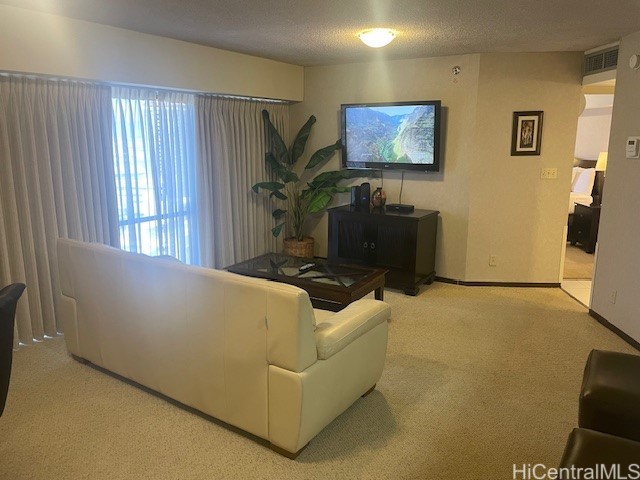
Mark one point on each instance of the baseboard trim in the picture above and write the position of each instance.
(497, 284)
(607, 324)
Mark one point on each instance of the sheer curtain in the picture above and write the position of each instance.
(56, 180)
(235, 224)
(154, 153)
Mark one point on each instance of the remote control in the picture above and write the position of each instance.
(306, 267)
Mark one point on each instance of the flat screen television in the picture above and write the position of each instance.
(401, 135)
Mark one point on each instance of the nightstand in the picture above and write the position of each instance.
(584, 228)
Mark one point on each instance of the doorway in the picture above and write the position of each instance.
(587, 186)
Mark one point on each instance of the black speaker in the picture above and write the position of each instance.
(355, 196)
(365, 195)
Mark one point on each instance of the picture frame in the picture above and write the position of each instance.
(526, 137)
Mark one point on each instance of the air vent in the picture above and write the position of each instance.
(601, 61)
(611, 59)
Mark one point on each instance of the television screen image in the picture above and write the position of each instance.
(400, 135)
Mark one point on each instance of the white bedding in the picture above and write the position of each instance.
(579, 198)
(582, 181)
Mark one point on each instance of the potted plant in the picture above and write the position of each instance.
(302, 197)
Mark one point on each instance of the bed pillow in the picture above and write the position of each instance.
(574, 174)
(583, 182)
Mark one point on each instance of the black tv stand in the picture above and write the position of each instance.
(402, 243)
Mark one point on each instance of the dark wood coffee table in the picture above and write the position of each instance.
(330, 286)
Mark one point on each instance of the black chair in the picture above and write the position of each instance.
(8, 300)
(587, 448)
(610, 394)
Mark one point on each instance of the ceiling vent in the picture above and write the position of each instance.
(601, 61)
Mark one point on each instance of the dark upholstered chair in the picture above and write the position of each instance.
(587, 448)
(610, 395)
(8, 300)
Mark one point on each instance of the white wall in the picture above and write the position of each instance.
(514, 214)
(33, 42)
(618, 258)
(404, 80)
(594, 125)
(490, 202)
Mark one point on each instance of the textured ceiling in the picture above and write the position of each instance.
(321, 32)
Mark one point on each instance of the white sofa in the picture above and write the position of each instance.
(240, 349)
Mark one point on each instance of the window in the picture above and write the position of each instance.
(154, 162)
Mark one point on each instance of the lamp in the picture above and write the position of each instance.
(601, 164)
(601, 167)
(377, 37)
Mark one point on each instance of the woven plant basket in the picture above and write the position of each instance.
(302, 248)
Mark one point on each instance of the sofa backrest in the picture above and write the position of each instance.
(203, 337)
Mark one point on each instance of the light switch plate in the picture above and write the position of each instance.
(549, 173)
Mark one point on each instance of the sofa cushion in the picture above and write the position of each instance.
(610, 394)
(588, 449)
(334, 331)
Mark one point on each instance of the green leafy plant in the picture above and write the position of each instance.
(302, 197)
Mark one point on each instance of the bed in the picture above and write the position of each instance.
(584, 187)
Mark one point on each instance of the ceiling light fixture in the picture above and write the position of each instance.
(377, 37)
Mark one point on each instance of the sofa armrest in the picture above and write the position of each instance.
(335, 332)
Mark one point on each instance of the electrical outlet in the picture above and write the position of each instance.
(613, 296)
(549, 173)
(493, 260)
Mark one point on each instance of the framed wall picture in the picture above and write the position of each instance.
(526, 137)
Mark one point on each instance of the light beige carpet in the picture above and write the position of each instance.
(578, 264)
(476, 379)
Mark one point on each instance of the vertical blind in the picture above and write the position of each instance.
(151, 172)
(235, 223)
(154, 161)
(56, 173)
